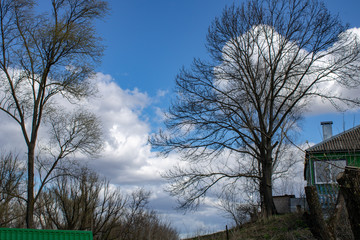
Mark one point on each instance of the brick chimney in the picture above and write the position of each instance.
(327, 129)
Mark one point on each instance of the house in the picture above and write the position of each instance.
(289, 204)
(325, 160)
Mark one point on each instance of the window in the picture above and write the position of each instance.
(326, 171)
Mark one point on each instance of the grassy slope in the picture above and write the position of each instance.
(285, 227)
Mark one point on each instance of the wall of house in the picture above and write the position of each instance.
(282, 203)
(328, 192)
(289, 203)
(352, 159)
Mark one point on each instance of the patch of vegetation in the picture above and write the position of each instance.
(282, 227)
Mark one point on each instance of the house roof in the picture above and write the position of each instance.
(342, 142)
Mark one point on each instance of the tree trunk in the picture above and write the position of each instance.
(267, 203)
(339, 222)
(350, 188)
(317, 223)
(30, 187)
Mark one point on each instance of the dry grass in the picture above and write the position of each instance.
(284, 227)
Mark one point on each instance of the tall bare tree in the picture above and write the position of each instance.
(233, 113)
(43, 56)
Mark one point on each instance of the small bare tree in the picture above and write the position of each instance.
(142, 223)
(85, 201)
(232, 114)
(75, 132)
(238, 212)
(43, 56)
(11, 191)
(82, 202)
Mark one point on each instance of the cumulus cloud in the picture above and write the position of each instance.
(161, 93)
(127, 157)
(331, 73)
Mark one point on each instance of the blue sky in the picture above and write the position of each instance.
(147, 42)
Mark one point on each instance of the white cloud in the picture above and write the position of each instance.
(127, 157)
(336, 68)
(11, 139)
(161, 93)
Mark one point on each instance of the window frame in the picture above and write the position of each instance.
(332, 164)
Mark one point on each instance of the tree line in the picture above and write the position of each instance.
(80, 199)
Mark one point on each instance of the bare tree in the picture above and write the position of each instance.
(85, 201)
(43, 56)
(82, 202)
(233, 114)
(75, 132)
(11, 190)
(238, 212)
(142, 223)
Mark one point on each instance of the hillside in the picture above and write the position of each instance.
(284, 227)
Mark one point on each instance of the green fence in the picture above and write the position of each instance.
(35, 234)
